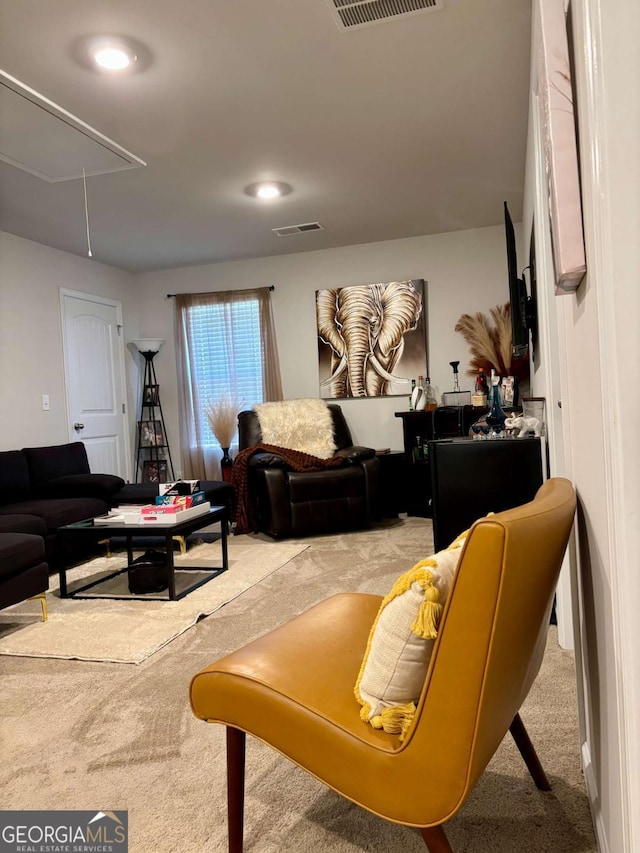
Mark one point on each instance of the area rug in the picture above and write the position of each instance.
(79, 735)
(130, 631)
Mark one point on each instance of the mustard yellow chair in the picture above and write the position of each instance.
(293, 688)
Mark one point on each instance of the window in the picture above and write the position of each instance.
(226, 352)
(226, 347)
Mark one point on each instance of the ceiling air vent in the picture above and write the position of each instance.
(351, 14)
(288, 230)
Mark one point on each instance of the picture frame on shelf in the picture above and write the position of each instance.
(151, 434)
(151, 395)
(154, 471)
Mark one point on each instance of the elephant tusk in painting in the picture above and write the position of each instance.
(379, 369)
(340, 369)
(365, 331)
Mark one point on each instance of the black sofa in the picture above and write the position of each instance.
(55, 486)
(303, 503)
(43, 488)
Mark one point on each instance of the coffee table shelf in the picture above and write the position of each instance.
(146, 530)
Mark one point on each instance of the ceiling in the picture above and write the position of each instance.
(416, 125)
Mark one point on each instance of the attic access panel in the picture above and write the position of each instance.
(45, 140)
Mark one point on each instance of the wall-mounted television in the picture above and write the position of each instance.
(522, 308)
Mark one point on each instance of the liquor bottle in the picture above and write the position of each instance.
(418, 396)
(429, 396)
(479, 397)
(492, 383)
(413, 388)
(417, 450)
(496, 417)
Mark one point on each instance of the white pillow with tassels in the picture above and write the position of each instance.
(401, 641)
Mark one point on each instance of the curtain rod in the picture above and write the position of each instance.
(173, 295)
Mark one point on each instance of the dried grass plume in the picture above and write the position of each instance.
(222, 415)
(490, 343)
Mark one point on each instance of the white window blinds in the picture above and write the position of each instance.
(226, 347)
(226, 355)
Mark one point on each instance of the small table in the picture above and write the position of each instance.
(148, 530)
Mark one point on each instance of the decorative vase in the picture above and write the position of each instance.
(226, 464)
(496, 416)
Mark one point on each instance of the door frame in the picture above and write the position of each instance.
(117, 304)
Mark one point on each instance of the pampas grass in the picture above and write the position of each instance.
(477, 332)
(490, 343)
(501, 316)
(222, 415)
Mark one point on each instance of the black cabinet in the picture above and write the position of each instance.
(418, 430)
(471, 478)
(392, 483)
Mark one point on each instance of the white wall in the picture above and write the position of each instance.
(31, 358)
(465, 272)
(597, 332)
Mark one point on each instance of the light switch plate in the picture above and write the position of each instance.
(45, 403)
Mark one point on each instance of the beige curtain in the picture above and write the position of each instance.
(208, 320)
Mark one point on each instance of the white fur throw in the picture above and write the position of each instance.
(304, 425)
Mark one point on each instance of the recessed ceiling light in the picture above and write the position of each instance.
(113, 58)
(268, 189)
(111, 54)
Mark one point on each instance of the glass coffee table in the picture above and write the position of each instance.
(146, 530)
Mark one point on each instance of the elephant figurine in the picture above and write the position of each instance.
(365, 327)
(524, 425)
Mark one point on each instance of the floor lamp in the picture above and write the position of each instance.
(152, 446)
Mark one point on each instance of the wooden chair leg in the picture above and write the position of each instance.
(436, 840)
(236, 741)
(529, 754)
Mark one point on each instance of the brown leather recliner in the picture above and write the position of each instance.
(302, 503)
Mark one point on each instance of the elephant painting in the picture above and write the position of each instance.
(365, 327)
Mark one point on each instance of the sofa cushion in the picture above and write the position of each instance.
(23, 584)
(14, 476)
(58, 511)
(47, 463)
(102, 486)
(19, 551)
(18, 523)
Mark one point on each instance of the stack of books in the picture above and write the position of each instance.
(172, 513)
(182, 501)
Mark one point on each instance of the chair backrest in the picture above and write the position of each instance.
(492, 637)
(249, 432)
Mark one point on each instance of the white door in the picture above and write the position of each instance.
(94, 374)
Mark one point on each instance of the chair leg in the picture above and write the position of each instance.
(235, 787)
(436, 840)
(527, 751)
(42, 596)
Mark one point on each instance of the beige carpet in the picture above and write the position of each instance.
(82, 735)
(120, 631)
